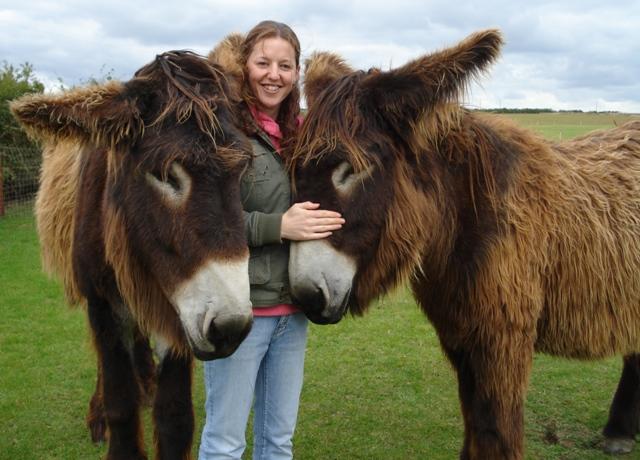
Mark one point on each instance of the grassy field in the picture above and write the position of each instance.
(559, 126)
(376, 387)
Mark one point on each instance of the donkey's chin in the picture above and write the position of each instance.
(318, 308)
(217, 353)
(324, 316)
(220, 349)
(221, 339)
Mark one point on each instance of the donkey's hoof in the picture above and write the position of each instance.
(97, 430)
(617, 446)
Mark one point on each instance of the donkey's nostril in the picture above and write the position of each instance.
(311, 299)
(227, 335)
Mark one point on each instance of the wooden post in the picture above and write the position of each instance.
(1, 188)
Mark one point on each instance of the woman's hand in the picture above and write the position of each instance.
(304, 221)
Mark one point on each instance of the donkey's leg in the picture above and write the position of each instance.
(95, 416)
(465, 393)
(624, 415)
(121, 394)
(145, 366)
(173, 409)
(492, 384)
(501, 378)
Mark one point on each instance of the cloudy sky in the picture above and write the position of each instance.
(559, 54)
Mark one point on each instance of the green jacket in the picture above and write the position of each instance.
(266, 195)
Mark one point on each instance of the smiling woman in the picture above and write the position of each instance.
(272, 73)
(267, 63)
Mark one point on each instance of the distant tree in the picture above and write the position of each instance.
(104, 77)
(15, 82)
(19, 157)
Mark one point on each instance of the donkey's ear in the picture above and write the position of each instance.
(103, 114)
(405, 93)
(227, 54)
(322, 68)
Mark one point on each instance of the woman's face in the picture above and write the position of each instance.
(272, 73)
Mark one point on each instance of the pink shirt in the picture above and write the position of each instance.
(272, 128)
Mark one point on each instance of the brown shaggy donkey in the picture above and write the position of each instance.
(139, 213)
(512, 244)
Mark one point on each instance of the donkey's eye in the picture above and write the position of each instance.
(344, 177)
(342, 173)
(174, 178)
(174, 189)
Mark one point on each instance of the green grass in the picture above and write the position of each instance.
(559, 126)
(46, 370)
(376, 387)
(379, 388)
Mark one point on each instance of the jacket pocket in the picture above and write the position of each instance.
(259, 266)
(257, 185)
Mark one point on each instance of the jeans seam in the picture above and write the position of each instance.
(265, 383)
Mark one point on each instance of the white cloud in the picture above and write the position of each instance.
(570, 54)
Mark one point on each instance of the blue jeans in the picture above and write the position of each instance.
(268, 364)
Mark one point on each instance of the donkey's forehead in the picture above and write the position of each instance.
(206, 153)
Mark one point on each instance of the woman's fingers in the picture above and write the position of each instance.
(303, 221)
(324, 228)
(325, 221)
(312, 209)
(307, 205)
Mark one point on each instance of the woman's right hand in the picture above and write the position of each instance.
(304, 221)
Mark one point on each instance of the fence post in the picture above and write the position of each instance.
(1, 187)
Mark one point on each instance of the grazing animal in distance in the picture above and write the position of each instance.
(139, 214)
(512, 244)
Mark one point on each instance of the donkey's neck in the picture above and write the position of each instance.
(469, 163)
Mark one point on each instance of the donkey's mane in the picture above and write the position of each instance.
(194, 87)
(187, 74)
(339, 117)
(336, 115)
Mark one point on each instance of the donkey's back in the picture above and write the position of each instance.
(591, 261)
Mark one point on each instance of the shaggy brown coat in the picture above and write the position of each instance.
(120, 245)
(511, 242)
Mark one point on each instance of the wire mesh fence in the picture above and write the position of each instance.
(19, 172)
